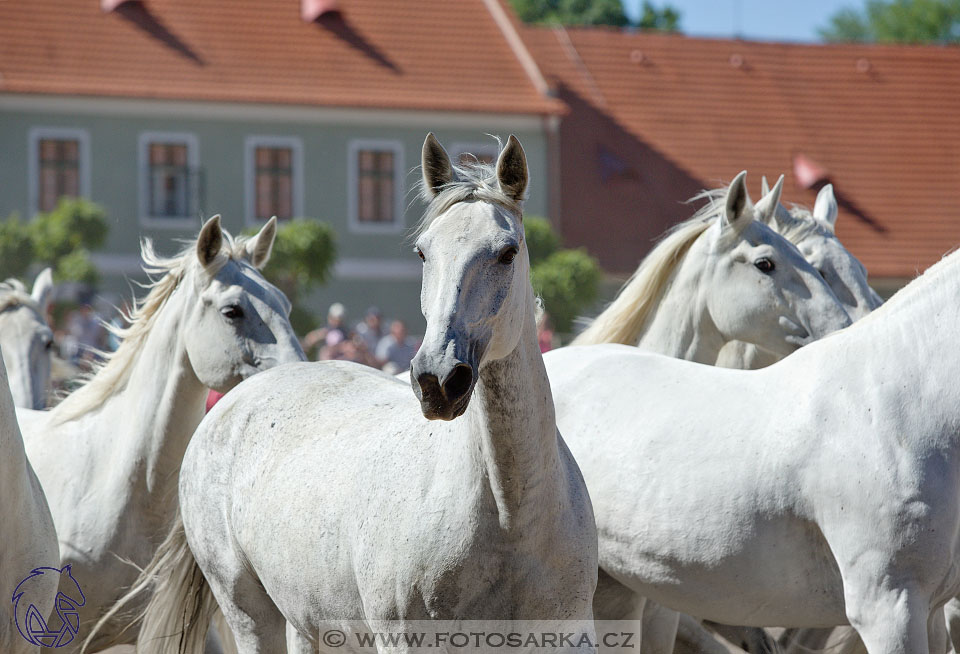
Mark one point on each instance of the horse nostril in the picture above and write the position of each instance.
(458, 382)
(426, 383)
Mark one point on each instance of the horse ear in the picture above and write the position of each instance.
(736, 200)
(210, 241)
(42, 287)
(435, 164)
(766, 207)
(512, 170)
(259, 247)
(826, 208)
(764, 187)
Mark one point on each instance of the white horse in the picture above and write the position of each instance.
(26, 340)
(822, 490)
(108, 455)
(722, 275)
(318, 494)
(813, 233)
(29, 539)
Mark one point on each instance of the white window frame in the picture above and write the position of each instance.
(34, 135)
(143, 162)
(353, 190)
(475, 148)
(250, 145)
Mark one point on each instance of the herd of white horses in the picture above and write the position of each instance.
(636, 474)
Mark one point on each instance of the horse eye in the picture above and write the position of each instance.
(764, 265)
(232, 312)
(49, 345)
(420, 254)
(508, 255)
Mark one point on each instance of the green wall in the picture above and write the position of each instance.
(114, 182)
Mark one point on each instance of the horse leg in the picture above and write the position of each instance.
(889, 620)
(951, 614)
(693, 638)
(659, 631)
(258, 626)
(297, 643)
(937, 632)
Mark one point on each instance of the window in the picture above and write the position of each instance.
(465, 154)
(274, 170)
(169, 180)
(58, 166)
(375, 186)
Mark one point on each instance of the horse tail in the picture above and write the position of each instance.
(180, 605)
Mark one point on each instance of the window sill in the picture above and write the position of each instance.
(170, 223)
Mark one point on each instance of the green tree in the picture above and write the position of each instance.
(16, 251)
(595, 12)
(566, 280)
(303, 256)
(897, 21)
(61, 239)
(659, 20)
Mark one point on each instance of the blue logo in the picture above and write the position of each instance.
(31, 623)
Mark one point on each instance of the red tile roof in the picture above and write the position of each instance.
(883, 122)
(425, 55)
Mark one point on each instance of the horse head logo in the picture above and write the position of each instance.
(32, 623)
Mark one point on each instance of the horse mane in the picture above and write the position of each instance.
(797, 223)
(474, 181)
(165, 275)
(14, 294)
(625, 319)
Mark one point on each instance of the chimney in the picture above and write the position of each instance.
(807, 171)
(311, 10)
(110, 5)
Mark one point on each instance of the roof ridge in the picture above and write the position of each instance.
(517, 46)
(571, 51)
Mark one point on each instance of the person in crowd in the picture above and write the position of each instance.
(371, 329)
(331, 334)
(86, 335)
(545, 335)
(396, 349)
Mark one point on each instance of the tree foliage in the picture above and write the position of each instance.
(566, 280)
(897, 21)
(596, 12)
(303, 256)
(61, 239)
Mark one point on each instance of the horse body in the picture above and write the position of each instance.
(26, 340)
(322, 493)
(358, 552)
(29, 537)
(799, 495)
(108, 455)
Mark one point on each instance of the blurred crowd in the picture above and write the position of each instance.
(373, 341)
(80, 336)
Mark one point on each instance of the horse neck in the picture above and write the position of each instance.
(681, 326)
(167, 399)
(13, 458)
(513, 416)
